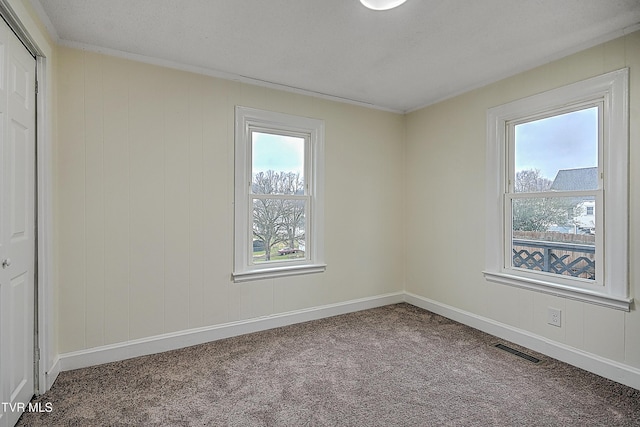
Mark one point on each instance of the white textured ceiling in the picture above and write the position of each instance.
(402, 59)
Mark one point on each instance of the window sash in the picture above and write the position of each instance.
(598, 102)
(507, 244)
(276, 131)
(308, 241)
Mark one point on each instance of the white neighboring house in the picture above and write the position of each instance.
(585, 221)
(585, 208)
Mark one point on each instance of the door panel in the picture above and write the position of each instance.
(17, 226)
(18, 182)
(18, 378)
(19, 83)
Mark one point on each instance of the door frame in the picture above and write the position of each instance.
(46, 365)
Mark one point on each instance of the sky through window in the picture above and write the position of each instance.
(279, 153)
(565, 141)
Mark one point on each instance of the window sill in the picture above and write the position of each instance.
(270, 273)
(610, 301)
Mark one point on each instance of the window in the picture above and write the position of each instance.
(556, 162)
(278, 195)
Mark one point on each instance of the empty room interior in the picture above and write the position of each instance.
(360, 199)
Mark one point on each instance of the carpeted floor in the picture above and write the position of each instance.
(391, 366)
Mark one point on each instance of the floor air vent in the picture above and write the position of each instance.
(518, 353)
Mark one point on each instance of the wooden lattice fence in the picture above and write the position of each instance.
(559, 253)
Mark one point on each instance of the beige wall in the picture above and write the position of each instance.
(445, 152)
(144, 215)
(144, 191)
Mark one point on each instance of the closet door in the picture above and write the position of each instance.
(17, 226)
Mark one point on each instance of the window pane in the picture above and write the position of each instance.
(555, 235)
(278, 229)
(557, 153)
(277, 164)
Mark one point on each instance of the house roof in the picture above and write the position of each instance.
(576, 179)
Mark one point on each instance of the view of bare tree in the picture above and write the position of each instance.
(276, 218)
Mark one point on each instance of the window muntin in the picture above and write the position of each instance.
(279, 218)
(609, 93)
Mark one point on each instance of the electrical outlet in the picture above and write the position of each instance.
(554, 317)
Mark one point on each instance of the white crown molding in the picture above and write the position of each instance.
(219, 74)
(530, 66)
(44, 18)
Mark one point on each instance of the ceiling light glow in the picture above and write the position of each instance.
(382, 4)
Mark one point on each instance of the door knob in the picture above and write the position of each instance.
(6, 263)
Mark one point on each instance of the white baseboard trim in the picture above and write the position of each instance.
(598, 365)
(50, 376)
(607, 368)
(173, 341)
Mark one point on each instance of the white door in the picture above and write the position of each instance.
(17, 225)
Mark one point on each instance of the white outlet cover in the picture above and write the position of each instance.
(554, 317)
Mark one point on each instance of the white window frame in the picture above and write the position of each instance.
(611, 288)
(248, 120)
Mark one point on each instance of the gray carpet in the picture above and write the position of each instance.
(391, 366)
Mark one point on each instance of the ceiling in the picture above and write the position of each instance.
(402, 59)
